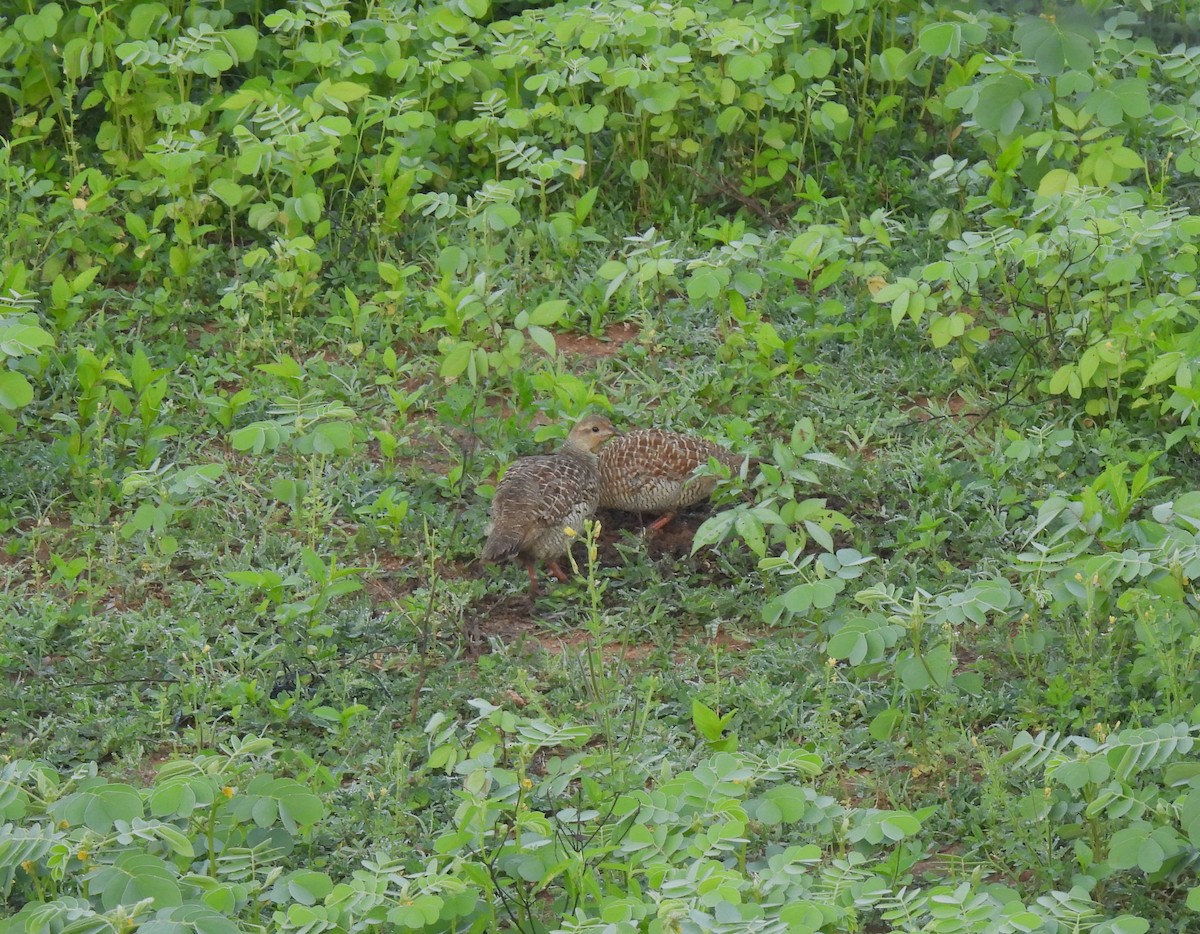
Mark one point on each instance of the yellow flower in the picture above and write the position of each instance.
(228, 791)
(569, 532)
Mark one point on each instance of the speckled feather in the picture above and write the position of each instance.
(540, 497)
(653, 470)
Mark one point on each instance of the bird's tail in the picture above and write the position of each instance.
(501, 544)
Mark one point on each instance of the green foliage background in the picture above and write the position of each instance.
(283, 286)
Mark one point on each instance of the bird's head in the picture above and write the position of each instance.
(590, 432)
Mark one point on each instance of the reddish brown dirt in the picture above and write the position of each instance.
(399, 576)
(675, 538)
(922, 409)
(196, 330)
(512, 618)
(146, 771)
(584, 345)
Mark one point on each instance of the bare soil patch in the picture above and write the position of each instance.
(584, 345)
(924, 409)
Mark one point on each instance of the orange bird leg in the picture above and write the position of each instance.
(533, 587)
(660, 523)
(553, 568)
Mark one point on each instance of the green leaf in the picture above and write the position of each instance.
(544, 339)
(1000, 105)
(1163, 368)
(135, 876)
(851, 644)
(98, 805)
(18, 339)
(1126, 845)
(884, 724)
(502, 216)
(227, 190)
(706, 283)
(174, 798)
(454, 362)
(799, 599)
(730, 119)
(826, 591)
(548, 313)
(789, 802)
(307, 886)
(714, 529)
(15, 391)
(332, 438)
(243, 42)
(1060, 379)
(706, 721)
(307, 208)
(941, 40)
(583, 207)
(1056, 44)
(296, 806)
(1089, 362)
(819, 535)
(1057, 182)
(750, 528)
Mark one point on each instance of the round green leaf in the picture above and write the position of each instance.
(15, 391)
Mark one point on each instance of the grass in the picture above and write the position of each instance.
(944, 649)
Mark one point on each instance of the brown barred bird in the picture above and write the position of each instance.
(652, 470)
(540, 498)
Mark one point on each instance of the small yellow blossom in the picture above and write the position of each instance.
(228, 791)
(569, 532)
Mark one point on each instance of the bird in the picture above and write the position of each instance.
(652, 470)
(542, 501)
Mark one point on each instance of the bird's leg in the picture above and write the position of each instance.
(660, 523)
(533, 587)
(553, 568)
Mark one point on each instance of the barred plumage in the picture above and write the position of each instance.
(541, 497)
(652, 470)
